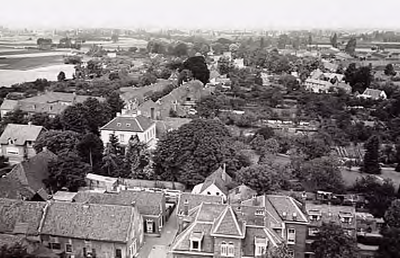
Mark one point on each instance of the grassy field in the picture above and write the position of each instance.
(23, 63)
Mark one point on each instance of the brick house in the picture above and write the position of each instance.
(151, 205)
(248, 229)
(17, 141)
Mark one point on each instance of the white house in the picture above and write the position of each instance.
(127, 125)
(373, 94)
(215, 184)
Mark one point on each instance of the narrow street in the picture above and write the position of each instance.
(158, 247)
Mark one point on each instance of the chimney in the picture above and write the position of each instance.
(118, 114)
(133, 204)
(186, 208)
(44, 148)
(30, 123)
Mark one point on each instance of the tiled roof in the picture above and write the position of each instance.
(12, 189)
(20, 133)
(15, 212)
(32, 172)
(182, 241)
(9, 104)
(219, 178)
(286, 204)
(88, 221)
(331, 213)
(50, 108)
(248, 245)
(128, 123)
(228, 224)
(148, 203)
(194, 200)
(51, 97)
(9, 240)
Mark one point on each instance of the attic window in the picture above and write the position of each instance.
(128, 125)
(260, 212)
(119, 124)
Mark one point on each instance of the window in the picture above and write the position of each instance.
(208, 193)
(291, 236)
(128, 125)
(118, 253)
(217, 193)
(122, 138)
(195, 245)
(12, 150)
(149, 226)
(29, 143)
(119, 124)
(54, 243)
(260, 212)
(313, 231)
(231, 249)
(68, 248)
(224, 249)
(260, 250)
(291, 253)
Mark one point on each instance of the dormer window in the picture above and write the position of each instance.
(260, 212)
(128, 125)
(291, 238)
(119, 124)
(195, 241)
(346, 217)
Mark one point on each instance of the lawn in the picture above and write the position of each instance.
(350, 177)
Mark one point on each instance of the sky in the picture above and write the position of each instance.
(214, 14)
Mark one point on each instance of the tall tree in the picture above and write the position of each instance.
(371, 157)
(61, 77)
(332, 242)
(109, 160)
(192, 152)
(68, 171)
(115, 102)
(15, 117)
(351, 46)
(57, 141)
(90, 149)
(334, 41)
(281, 251)
(137, 157)
(197, 65)
(97, 114)
(392, 215)
(74, 118)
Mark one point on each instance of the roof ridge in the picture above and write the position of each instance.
(138, 123)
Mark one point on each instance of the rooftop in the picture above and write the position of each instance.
(129, 123)
(19, 134)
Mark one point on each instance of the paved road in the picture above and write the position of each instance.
(158, 247)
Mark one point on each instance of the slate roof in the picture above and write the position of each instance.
(9, 240)
(128, 123)
(228, 224)
(20, 133)
(88, 221)
(26, 178)
(182, 241)
(14, 213)
(217, 178)
(288, 205)
(148, 203)
(248, 245)
(194, 200)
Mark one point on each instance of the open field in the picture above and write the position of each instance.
(27, 63)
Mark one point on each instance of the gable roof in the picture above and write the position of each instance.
(375, 94)
(15, 214)
(129, 123)
(20, 133)
(148, 203)
(88, 221)
(52, 97)
(227, 224)
(31, 173)
(219, 178)
(286, 205)
(9, 104)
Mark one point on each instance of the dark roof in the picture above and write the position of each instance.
(129, 123)
(286, 204)
(17, 215)
(12, 189)
(228, 224)
(194, 200)
(182, 241)
(20, 133)
(148, 203)
(30, 174)
(88, 221)
(220, 178)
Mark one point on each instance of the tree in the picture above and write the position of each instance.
(262, 178)
(192, 152)
(147, 79)
(351, 46)
(137, 157)
(97, 114)
(334, 41)
(379, 195)
(115, 103)
(209, 106)
(42, 119)
(389, 70)
(266, 132)
(371, 157)
(392, 215)
(68, 171)
(14, 251)
(312, 147)
(15, 117)
(281, 251)
(57, 141)
(90, 149)
(74, 118)
(321, 174)
(332, 242)
(181, 50)
(113, 159)
(109, 160)
(61, 77)
(390, 244)
(197, 65)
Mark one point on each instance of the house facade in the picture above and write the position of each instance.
(130, 125)
(17, 141)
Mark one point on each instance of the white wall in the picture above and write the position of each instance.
(214, 190)
(147, 136)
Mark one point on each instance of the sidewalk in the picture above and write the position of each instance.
(158, 247)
